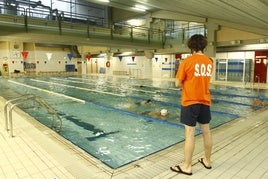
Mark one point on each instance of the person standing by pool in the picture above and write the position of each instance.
(194, 77)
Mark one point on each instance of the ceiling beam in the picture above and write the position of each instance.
(255, 30)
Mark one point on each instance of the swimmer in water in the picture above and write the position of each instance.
(147, 102)
(258, 102)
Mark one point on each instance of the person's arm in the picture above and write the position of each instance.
(178, 82)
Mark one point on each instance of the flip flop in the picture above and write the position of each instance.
(202, 162)
(179, 170)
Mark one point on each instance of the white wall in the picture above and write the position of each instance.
(16, 65)
(11, 56)
(48, 61)
(156, 66)
(236, 55)
(147, 67)
(142, 67)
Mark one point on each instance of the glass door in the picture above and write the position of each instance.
(221, 69)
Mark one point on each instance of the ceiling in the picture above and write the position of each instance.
(247, 15)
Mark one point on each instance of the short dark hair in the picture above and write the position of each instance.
(197, 42)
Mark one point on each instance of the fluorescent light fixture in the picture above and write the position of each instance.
(140, 8)
(102, 55)
(105, 1)
(235, 42)
(135, 22)
(126, 53)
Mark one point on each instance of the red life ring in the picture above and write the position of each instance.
(108, 64)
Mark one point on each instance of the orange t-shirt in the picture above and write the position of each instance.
(195, 73)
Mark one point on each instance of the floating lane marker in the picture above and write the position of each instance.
(110, 86)
(47, 91)
(140, 116)
(147, 118)
(162, 103)
(175, 89)
(85, 89)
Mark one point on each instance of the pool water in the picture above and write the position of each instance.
(106, 117)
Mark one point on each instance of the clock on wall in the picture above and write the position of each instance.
(16, 46)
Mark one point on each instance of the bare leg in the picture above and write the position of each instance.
(189, 145)
(207, 139)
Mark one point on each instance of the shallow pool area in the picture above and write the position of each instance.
(104, 115)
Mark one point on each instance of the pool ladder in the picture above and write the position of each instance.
(11, 104)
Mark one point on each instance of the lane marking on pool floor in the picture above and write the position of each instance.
(47, 91)
(85, 89)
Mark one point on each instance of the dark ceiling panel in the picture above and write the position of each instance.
(251, 13)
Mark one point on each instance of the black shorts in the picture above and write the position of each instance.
(195, 113)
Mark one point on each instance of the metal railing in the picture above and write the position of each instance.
(89, 26)
(78, 24)
(11, 104)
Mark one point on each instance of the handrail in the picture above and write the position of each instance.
(51, 111)
(25, 97)
(16, 101)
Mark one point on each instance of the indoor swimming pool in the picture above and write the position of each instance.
(108, 117)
